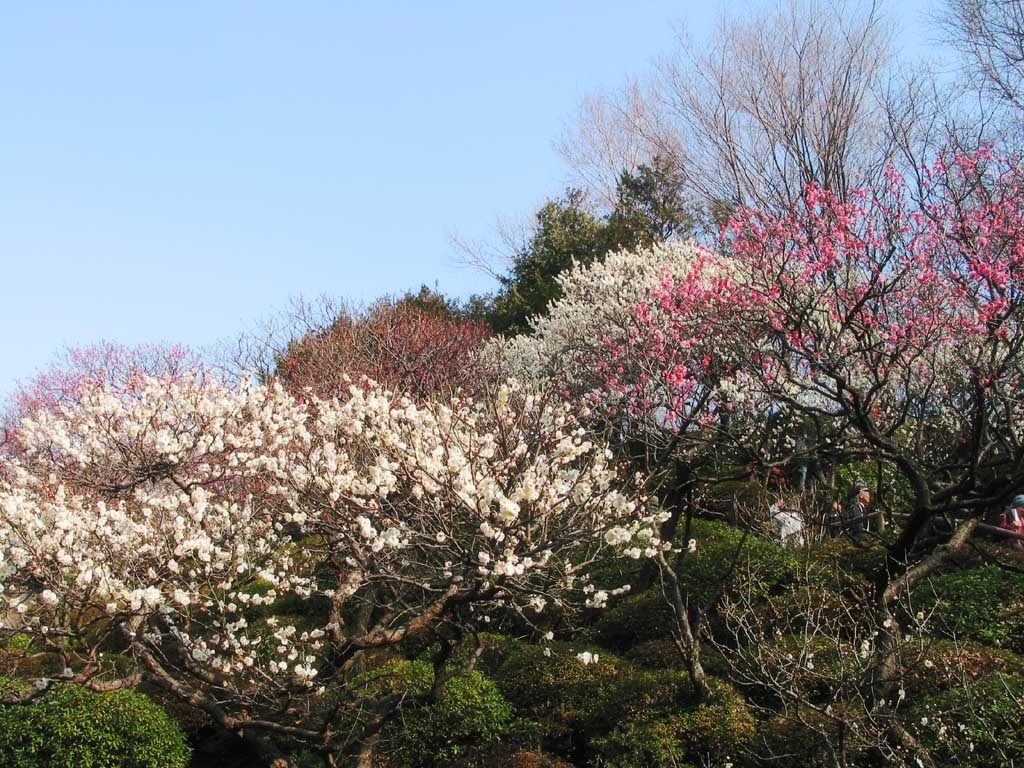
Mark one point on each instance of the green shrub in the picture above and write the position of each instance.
(631, 693)
(800, 739)
(985, 603)
(767, 567)
(717, 729)
(855, 562)
(655, 654)
(501, 757)
(765, 564)
(944, 664)
(663, 654)
(471, 716)
(72, 727)
(556, 691)
(635, 619)
(602, 711)
(977, 725)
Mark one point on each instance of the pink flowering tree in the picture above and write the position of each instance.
(892, 319)
(115, 365)
(897, 316)
(398, 343)
(651, 341)
(166, 532)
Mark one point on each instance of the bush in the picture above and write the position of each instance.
(636, 619)
(975, 725)
(855, 563)
(984, 604)
(557, 691)
(803, 745)
(663, 654)
(647, 616)
(765, 563)
(501, 758)
(943, 664)
(631, 693)
(719, 728)
(604, 711)
(471, 716)
(656, 654)
(72, 727)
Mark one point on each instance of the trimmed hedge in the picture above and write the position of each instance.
(471, 717)
(985, 603)
(72, 727)
(604, 712)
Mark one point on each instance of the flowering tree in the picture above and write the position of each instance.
(892, 320)
(596, 303)
(899, 318)
(397, 343)
(650, 340)
(162, 532)
(117, 365)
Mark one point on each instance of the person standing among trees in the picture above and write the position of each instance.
(1013, 520)
(787, 522)
(855, 513)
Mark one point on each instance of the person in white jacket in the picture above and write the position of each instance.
(787, 523)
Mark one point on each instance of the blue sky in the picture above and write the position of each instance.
(173, 171)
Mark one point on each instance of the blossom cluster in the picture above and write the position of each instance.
(173, 516)
(596, 304)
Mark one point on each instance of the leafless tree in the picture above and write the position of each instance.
(989, 34)
(793, 94)
(807, 657)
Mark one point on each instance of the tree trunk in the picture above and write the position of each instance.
(367, 751)
(687, 640)
(677, 501)
(268, 754)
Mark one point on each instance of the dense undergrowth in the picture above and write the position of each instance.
(531, 703)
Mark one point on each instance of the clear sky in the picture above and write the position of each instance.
(173, 171)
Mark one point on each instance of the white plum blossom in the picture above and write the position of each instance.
(597, 302)
(177, 508)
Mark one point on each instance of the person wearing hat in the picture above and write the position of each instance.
(856, 511)
(1013, 520)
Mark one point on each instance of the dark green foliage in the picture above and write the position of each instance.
(650, 207)
(552, 690)
(432, 303)
(944, 664)
(72, 727)
(677, 735)
(655, 654)
(705, 575)
(975, 726)
(603, 712)
(664, 654)
(719, 545)
(471, 716)
(985, 603)
(716, 729)
(502, 757)
(635, 619)
(802, 744)
(852, 563)
(565, 232)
